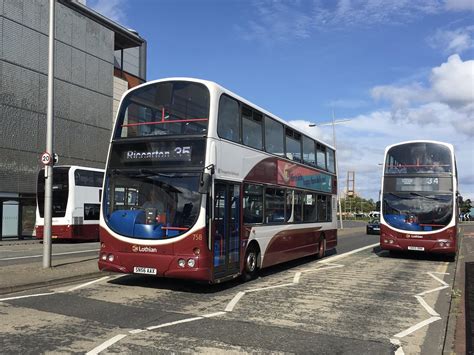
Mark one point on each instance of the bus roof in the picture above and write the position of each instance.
(218, 87)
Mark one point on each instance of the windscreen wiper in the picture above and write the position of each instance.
(427, 197)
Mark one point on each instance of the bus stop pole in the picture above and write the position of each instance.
(48, 171)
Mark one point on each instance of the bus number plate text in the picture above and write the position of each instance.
(416, 248)
(144, 270)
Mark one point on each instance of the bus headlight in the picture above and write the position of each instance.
(181, 262)
(191, 262)
(104, 257)
(110, 257)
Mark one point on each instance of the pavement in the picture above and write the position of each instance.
(459, 332)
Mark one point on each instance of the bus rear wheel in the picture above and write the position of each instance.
(321, 248)
(250, 264)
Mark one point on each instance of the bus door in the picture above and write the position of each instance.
(226, 236)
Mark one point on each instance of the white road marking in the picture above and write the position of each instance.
(425, 305)
(89, 283)
(187, 320)
(416, 327)
(296, 279)
(55, 292)
(340, 256)
(438, 279)
(269, 287)
(106, 344)
(136, 331)
(213, 314)
(27, 296)
(233, 302)
(55, 254)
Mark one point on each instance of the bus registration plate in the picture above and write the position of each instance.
(144, 270)
(416, 248)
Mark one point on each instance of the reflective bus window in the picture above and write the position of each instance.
(274, 205)
(424, 158)
(274, 142)
(166, 108)
(253, 203)
(228, 124)
(309, 155)
(252, 128)
(331, 161)
(298, 207)
(91, 211)
(323, 210)
(309, 208)
(321, 156)
(293, 145)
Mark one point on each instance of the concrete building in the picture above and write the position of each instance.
(96, 61)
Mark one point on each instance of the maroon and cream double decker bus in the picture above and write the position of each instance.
(202, 184)
(419, 198)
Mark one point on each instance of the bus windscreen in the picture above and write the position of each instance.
(416, 158)
(166, 108)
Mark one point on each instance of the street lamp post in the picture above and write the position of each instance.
(333, 123)
(48, 169)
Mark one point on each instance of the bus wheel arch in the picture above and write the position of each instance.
(252, 262)
(321, 247)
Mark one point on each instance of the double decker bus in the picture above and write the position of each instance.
(202, 184)
(419, 198)
(77, 192)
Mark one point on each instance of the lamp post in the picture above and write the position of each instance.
(48, 169)
(333, 123)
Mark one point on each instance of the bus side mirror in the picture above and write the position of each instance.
(205, 183)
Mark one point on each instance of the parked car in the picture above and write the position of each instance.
(373, 226)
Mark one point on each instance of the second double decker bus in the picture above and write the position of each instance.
(202, 184)
(419, 198)
(77, 192)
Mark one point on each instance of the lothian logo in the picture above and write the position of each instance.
(136, 249)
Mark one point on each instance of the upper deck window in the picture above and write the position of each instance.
(274, 142)
(252, 129)
(167, 108)
(418, 158)
(309, 155)
(293, 145)
(321, 156)
(228, 124)
(331, 160)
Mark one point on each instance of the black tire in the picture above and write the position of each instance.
(250, 264)
(321, 248)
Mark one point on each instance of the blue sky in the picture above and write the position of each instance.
(397, 69)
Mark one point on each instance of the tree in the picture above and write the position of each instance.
(465, 206)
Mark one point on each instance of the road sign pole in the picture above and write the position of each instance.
(48, 187)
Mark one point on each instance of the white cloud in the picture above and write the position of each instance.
(453, 81)
(442, 110)
(112, 9)
(460, 5)
(281, 20)
(448, 98)
(453, 41)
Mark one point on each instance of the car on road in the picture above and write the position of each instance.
(373, 226)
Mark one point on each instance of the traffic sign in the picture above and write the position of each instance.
(46, 158)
